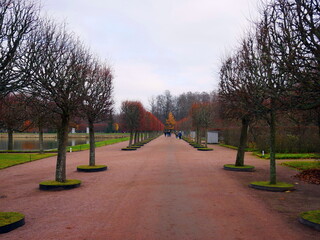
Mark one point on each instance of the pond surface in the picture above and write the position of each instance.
(33, 143)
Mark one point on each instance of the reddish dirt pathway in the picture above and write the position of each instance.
(165, 190)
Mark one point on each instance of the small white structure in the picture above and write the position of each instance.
(87, 130)
(193, 134)
(213, 137)
(73, 130)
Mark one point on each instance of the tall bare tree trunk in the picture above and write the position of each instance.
(135, 137)
(206, 137)
(131, 138)
(41, 148)
(92, 158)
(243, 142)
(273, 174)
(10, 139)
(62, 145)
(319, 123)
(197, 136)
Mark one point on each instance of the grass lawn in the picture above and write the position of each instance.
(302, 165)
(290, 155)
(236, 148)
(98, 144)
(11, 159)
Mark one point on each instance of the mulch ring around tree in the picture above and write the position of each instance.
(266, 186)
(10, 221)
(309, 176)
(232, 167)
(128, 149)
(56, 186)
(205, 149)
(311, 219)
(87, 168)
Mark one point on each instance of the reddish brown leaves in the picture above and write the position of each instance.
(309, 176)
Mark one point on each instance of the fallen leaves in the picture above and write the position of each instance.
(309, 176)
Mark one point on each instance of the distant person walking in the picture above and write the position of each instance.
(180, 134)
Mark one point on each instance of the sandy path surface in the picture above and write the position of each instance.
(165, 190)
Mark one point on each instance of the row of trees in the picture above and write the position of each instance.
(275, 69)
(138, 122)
(47, 66)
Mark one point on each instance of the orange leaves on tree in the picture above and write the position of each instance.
(170, 122)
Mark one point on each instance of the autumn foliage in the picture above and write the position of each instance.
(136, 120)
(170, 122)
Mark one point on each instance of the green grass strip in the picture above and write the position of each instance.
(11, 159)
(312, 216)
(302, 165)
(7, 218)
(236, 148)
(82, 147)
(290, 155)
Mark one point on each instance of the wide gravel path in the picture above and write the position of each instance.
(165, 190)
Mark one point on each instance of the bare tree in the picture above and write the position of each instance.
(17, 19)
(58, 66)
(276, 54)
(97, 104)
(202, 119)
(241, 92)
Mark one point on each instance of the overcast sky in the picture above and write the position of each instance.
(157, 45)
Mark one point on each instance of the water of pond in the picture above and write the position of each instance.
(33, 143)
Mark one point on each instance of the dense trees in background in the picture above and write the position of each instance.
(14, 115)
(41, 117)
(179, 105)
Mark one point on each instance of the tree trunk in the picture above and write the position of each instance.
(62, 145)
(197, 136)
(41, 148)
(92, 158)
(135, 137)
(273, 174)
(319, 123)
(10, 139)
(206, 137)
(243, 142)
(131, 138)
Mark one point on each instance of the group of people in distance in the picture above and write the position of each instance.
(168, 134)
